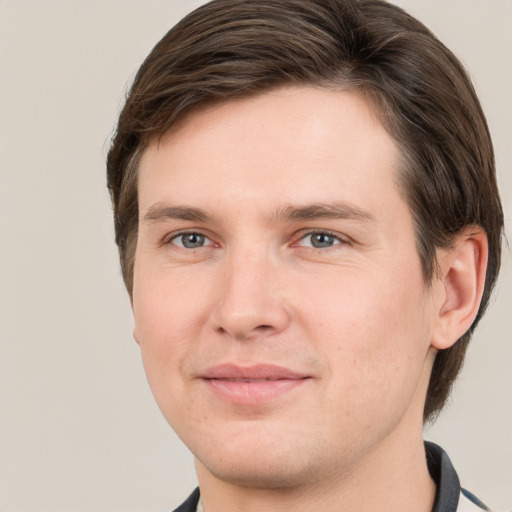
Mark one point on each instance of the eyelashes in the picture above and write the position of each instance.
(190, 240)
(314, 239)
(321, 240)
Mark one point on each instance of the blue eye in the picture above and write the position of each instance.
(320, 240)
(190, 240)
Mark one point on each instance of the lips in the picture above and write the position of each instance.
(252, 385)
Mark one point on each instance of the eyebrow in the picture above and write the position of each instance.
(324, 211)
(160, 212)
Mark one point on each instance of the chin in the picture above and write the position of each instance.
(261, 472)
(256, 454)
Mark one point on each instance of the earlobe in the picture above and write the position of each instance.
(136, 336)
(462, 279)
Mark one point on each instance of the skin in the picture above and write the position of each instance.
(338, 299)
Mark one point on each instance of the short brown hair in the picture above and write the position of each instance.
(235, 48)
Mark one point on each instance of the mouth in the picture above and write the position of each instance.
(252, 385)
(248, 380)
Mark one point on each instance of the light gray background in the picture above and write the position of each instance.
(78, 427)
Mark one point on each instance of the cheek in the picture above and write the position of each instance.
(372, 330)
(377, 303)
(168, 314)
(167, 308)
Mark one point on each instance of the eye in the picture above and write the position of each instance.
(320, 240)
(190, 240)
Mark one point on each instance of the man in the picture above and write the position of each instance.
(309, 228)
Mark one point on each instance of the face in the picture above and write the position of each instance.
(278, 295)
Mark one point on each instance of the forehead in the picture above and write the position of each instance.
(295, 144)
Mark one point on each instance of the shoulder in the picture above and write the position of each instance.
(468, 502)
(190, 504)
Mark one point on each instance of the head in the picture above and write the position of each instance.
(230, 50)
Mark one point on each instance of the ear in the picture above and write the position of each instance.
(461, 280)
(136, 336)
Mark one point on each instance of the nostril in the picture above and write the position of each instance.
(264, 327)
(246, 335)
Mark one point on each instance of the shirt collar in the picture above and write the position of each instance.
(445, 477)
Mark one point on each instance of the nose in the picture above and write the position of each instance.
(251, 303)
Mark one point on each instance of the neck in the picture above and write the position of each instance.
(393, 478)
